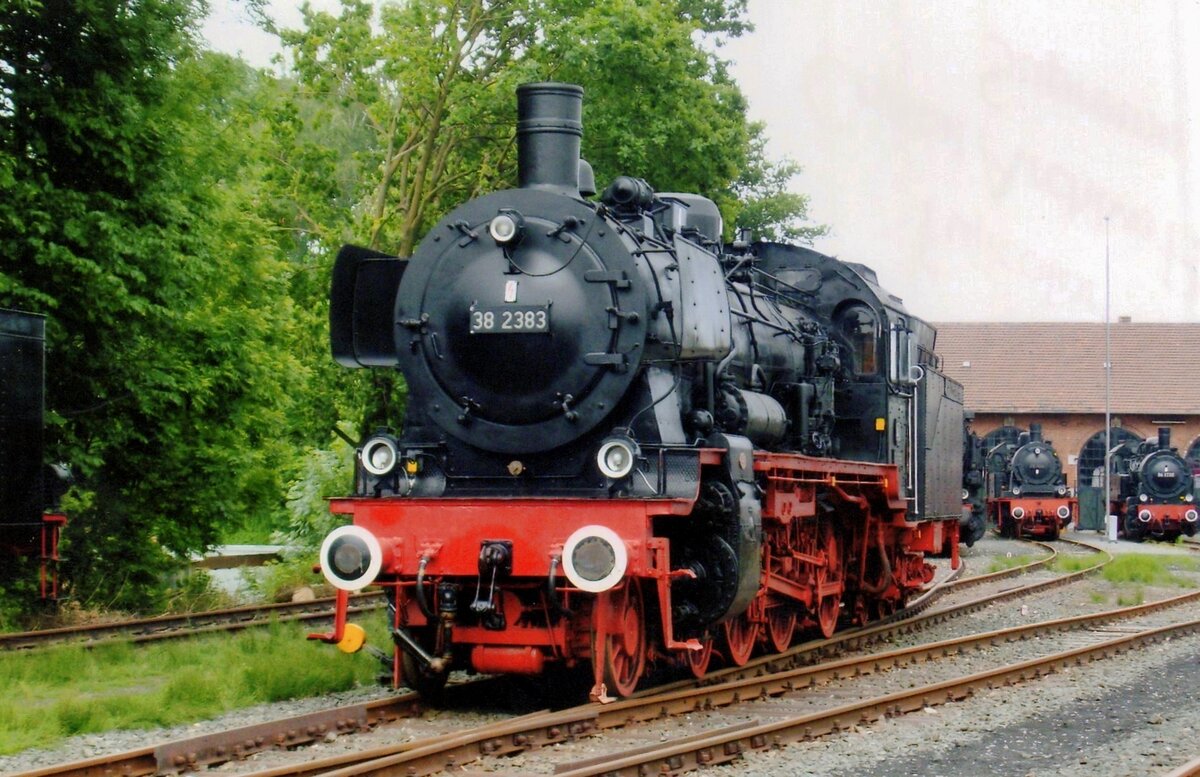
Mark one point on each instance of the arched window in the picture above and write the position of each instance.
(1193, 453)
(1007, 434)
(1091, 455)
(858, 326)
(996, 465)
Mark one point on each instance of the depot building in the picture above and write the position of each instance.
(1016, 374)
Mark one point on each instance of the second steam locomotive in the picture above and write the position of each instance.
(1027, 490)
(627, 443)
(1153, 490)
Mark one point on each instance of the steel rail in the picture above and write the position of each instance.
(186, 624)
(197, 752)
(728, 745)
(1189, 769)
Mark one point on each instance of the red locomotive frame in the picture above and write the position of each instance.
(1165, 521)
(1032, 516)
(863, 564)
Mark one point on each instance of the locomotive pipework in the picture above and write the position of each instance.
(626, 442)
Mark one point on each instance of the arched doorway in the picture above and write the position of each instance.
(1089, 483)
(1091, 455)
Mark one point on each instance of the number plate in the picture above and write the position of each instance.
(510, 319)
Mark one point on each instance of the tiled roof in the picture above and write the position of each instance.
(1059, 368)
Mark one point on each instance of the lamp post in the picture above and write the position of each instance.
(1107, 389)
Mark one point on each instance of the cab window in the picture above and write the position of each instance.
(858, 327)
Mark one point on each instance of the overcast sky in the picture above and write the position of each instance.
(970, 151)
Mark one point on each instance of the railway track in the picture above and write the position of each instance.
(1079, 638)
(729, 744)
(185, 625)
(533, 731)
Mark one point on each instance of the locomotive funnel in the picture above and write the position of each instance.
(549, 128)
(1164, 437)
(1035, 432)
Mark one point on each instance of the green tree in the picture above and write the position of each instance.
(130, 223)
(409, 111)
(656, 103)
(764, 204)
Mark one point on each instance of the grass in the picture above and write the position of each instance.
(59, 692)
(999, 564)
(1069, 564)
(1149, 569)
(1131, 598)
(1131, 573)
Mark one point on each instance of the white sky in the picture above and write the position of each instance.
(969, 150)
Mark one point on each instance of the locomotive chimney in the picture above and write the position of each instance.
(1164, 437)
(1035, 432)
(549, 128)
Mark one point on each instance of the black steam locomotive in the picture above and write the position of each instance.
(30, 489)
(1153, 490)
(1028, 494)
(626, 442)
(973, 525)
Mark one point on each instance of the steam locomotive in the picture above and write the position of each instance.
(626, 443)
(1154, 496)
(973, 524)
(30, 489)
(1027, 494)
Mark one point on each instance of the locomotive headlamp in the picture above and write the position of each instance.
(351, 558)
(616, 457)
(1190, 516)
(1189, 497)
(379, 455)
(594, 558)
(1064, 512)
(1016, 490)
(966, 495)
(1018, 512)
(1144, 516)
(1143, 498)
(507, 227)
(1061, 490)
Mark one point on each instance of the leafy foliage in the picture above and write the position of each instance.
(175, 214)
(128, 225)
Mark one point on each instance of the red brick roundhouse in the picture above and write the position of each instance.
(1016, 374)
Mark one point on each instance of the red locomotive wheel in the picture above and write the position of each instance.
(625, 645)
(740, 635)
(830, 605)
(781, 627)
(698, 660)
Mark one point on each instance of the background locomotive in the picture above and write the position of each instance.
(973, 525)
(1153, 490)
(626, 443)
(29, 488)
(1027, 490)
